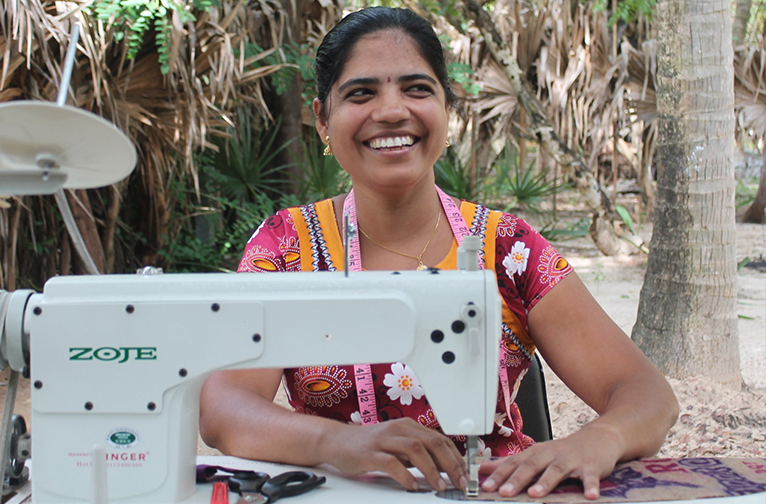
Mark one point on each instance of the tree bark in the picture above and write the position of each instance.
(607, 230)
(289, 106)
(756, 213)
(83, 215)
(741, 18)
(687, 318)
(110, 226)
(13, 233)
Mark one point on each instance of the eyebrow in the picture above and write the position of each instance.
(366, 81)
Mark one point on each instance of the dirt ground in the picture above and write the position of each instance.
(714, 420)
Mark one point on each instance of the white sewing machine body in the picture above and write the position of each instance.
(118, 361)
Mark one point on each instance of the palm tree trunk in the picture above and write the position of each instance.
(687, 318)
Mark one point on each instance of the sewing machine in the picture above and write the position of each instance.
(118, 361)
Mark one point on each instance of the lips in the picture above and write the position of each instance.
(392, 142)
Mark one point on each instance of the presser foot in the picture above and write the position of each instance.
(472, 451)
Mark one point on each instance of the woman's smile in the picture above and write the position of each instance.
(392, 143)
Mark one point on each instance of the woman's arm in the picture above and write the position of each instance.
(238, 417)
(600, 363)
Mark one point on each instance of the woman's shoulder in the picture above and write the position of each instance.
(507, 225)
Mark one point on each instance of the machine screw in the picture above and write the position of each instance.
(437, 336)
(151, 406)
(257, 338)
(37, 310)
(215, 307)
(130, 308)
(88, 405)
(38, 384)
(448, 357)
(182, 372)
(458, 326)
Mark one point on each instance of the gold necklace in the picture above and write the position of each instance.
(419, 258)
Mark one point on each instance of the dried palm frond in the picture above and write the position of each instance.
(168, 116)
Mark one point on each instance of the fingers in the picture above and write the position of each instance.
(393, 446)
(512, 475)
(592, 486)
(392, 466)
(430, 452)
(541, 468)
(414, 451)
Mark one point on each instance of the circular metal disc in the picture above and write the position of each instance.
(90, 150)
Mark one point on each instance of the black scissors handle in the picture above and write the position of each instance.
(290, 483)
(247, 481)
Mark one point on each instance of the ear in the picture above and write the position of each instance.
(320, 120)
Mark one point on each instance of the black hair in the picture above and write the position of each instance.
(337, 45)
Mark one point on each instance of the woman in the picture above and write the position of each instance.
(382, 108)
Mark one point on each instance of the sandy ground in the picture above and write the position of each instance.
(714, 420)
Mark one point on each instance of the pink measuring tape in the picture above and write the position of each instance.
(365, 387)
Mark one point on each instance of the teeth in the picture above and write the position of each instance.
(387, 143)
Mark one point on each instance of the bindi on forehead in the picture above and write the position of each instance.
(389, 79)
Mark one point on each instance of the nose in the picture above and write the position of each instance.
(390, 108)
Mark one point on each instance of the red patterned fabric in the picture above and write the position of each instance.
(526, 266)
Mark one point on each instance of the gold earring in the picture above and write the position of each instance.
(447, 144)
(327, 149)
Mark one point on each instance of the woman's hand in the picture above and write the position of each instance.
(393, 446)
(231, 400)
(588, 455)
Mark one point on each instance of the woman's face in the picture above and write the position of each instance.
(386, 114)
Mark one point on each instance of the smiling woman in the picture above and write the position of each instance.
(383, 106)
(386, 115)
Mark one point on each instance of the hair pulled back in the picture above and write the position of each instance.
(337, 45)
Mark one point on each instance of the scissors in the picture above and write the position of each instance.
(260, 488)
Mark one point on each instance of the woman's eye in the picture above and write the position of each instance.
(355, 93)
(421, 88)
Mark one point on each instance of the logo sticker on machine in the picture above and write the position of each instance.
(123, 438)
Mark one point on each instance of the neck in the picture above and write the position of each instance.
(396, 218)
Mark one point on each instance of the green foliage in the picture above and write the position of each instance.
(230, 224)
(441, 8)
(240, 186)
(625, 216)
(322, 176)
(455, 179)
(745, 193)
(463, 74)
(579, 229)
(627, 10)
(299, 57)
(757, 20)
(134, 18)
(244, 167)
(525, 190)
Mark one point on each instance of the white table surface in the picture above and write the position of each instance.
(368, 489)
